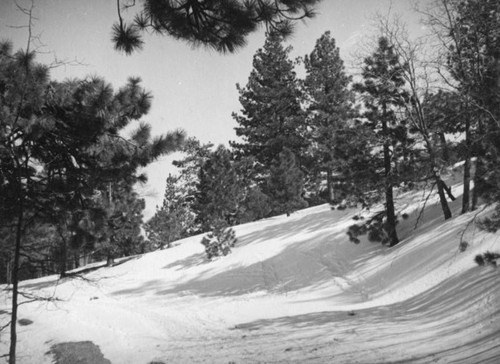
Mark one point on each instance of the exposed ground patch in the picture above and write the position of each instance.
(82, 352)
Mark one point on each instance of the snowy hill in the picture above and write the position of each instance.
(294, 290)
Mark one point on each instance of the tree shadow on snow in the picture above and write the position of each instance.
(190, 261)
(428, 326)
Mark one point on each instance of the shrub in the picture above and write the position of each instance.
(219, 242)
(487, 258)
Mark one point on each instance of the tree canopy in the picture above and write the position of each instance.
(219, 24)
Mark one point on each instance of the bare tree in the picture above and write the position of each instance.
(421, 83)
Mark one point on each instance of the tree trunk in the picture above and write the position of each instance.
(467, 165)
(389, 196)
(63, 266)
(329, 182)
(8, 273)
(442, 197)
(76, 259)
(110, 259)
(466, 193)
(391, 217)
(479, 171)
(441, 186)
(478, 182)
(444, 147)
(15, 282)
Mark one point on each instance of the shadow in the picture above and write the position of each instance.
(190, 261)
(305, 263)
(467, 300)
(147, 286)
(51, 281)
(298, 223)
(54, 280)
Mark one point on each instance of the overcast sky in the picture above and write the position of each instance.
(193, 89)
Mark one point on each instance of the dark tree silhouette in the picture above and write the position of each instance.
(219, 24)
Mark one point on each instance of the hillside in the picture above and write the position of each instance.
(294, 290)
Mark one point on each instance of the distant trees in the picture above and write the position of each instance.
(221, 25)
(172, 221)
(176, 218)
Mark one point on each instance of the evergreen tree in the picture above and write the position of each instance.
(120, 235)
(271, 118)
(382, 90)
(218, 190)
(217, 201)
(254, 204)
(330, 108)
(59, 142)
(195, 155)
(174, 220)
(473, 60)
(222, 25)
(285, 184)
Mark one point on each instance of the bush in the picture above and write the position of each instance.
(487, 258)
(219, 242)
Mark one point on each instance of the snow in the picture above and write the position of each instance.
(293, 290)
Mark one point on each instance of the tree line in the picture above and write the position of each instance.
(68, 169)
(351, 141)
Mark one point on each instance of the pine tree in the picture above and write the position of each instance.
(285, 184)
(271, 118)
(473, 61)
(255, 204)
(222, 25)
(174, 220)
(218, 190)
(195, 155)
(330, 108)
(217, 202)
(59, 143)
(120, 231)
(383, 95)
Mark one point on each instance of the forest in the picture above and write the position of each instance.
(309, 133)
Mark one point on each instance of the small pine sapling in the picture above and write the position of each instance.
(219, 241)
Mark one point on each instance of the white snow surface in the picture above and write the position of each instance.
(294, 290)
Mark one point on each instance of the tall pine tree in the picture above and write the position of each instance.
(271, 118)
(330, 109)
(383, 94)
(474, 63)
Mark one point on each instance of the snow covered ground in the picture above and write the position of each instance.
(294, 290)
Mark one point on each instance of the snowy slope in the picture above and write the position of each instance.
(294, 290)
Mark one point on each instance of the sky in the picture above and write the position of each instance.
(193, 89)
